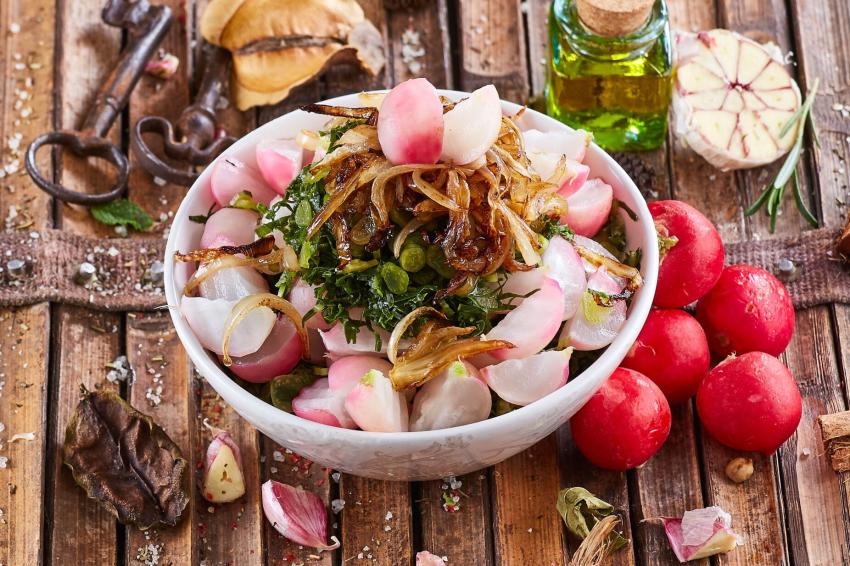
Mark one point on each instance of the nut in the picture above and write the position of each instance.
(739, 469)
(86, 274)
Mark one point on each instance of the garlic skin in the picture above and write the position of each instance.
(700, 533)
(732, 98)
(425, 558)
(223, 481)
(298, 515)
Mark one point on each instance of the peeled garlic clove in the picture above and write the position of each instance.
(375, 406)
(457, 396)
(223, 480)
(298, 515)
(700, 533)
(732, 98)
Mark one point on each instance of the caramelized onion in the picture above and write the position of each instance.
(614, 267)
(403, 325)
(247, 304)
(408, 229)
(260, 247)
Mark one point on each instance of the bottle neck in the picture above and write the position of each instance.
(588, 44)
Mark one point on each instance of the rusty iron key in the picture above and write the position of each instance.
(192, 140)
(146, 26)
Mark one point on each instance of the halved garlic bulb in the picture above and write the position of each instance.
(733, 97)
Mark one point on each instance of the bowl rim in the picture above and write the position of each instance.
(266, 412)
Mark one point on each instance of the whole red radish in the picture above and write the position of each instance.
(672, 351)
(624, 423)
(750, 402)
(691, 267)
(749, 310)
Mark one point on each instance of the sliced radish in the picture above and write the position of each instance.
(346, 372)
(279, 162)
(531, 325)
(410, 123)
(375, 405)
(565, 267)
(572, 145)
(337, 346)
(319, 404)
(472, 126)
(595, 326)
(233, 283)
(208, 319)
(456, 397)
(589, 207)
(229, 227)
(523, 283)
(526, 380)
(303, 298)
(231, 176)
(278, 355)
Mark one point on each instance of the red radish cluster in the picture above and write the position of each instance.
(749, 402)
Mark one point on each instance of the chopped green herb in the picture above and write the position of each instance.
(202, 218)
(122, 212)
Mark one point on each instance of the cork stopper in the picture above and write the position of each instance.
(612, 18)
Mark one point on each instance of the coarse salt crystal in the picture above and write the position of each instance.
(14, 27)
(337, 505)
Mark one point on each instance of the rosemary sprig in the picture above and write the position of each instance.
(771, 196)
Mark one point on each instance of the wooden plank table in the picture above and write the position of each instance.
(54, 53)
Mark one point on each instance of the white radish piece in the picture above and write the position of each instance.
(588, 208)
(595, 326)
(566, 268)
(531, 325)
(457, 396)
(231, 176)
(526, 380)
(472, 126)
(410, 123)
(732, 98)
(319, 404)
(279, 162)
(233, 283)
(337, 346)
(569, 179)
(208, 318)
(523, 283)
(346, 372)
(303, 298)
(229, 227)
(375, 405)
(572, 145)
(278, 355)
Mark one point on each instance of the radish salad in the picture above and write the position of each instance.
(417, 264)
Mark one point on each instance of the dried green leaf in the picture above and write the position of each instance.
(122, 212)
(125, 461)
(581, 510)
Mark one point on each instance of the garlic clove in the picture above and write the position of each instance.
(700, 533)
(223, 481)
(298, 515)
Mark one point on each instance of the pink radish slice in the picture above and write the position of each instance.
(303, 298)
(523, 283)
(595, 326)
(565, 267)
(279, 162)
(572, 145)
(531, 325)
(233, 283)
(319, 404)
(570, 179)
(597, 248)
(410, 123)
(208, 318)
(278, 355)
(375, 405)
(526, 380)
(346, 372)
(235, 226)
(589, 207)
(320, 154)
(456, 397)
(472, 126)
(231, 176)
(337, 346)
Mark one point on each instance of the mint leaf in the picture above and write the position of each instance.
(122, 212)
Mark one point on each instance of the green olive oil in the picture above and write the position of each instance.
(617, 87)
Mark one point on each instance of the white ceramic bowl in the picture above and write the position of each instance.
(413, 455)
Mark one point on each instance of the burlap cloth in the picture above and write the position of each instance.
(54, 256)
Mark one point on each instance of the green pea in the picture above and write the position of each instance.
(358, 251)
(395, 278)
(436, 260)
(358, 265)
(399, 217)
(467, 287)
(424, 276)
(303, 213)
(412, 258)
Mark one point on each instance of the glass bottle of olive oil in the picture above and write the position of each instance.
(610, 70)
